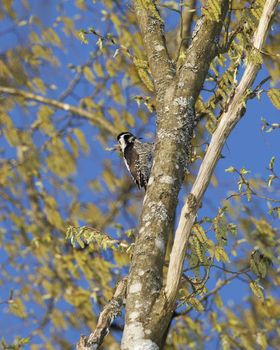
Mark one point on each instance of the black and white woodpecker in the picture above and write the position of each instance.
(137, 156)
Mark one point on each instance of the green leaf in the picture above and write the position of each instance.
(270, 180)
(248, 194)
(274, 95)
(221, 255)
(196, 304)
(88, 74)
(257, 290)
(82, 35)
(244, 171)
(271, 163)
(231, 169)
(261, 340)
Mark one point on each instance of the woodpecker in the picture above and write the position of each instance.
(137, 156)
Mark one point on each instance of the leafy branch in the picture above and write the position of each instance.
(86, 235)
(102, 122)
(249, 191)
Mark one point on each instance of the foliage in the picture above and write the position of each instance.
(59, 185)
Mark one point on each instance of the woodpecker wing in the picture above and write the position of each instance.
(131, 159)
(145, 157)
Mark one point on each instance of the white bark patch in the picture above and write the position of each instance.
(133, 338)
(181, 84)
(148, 223)
(159, 48)
(191, 67)
(157, 210)
(141, 273)
(181, 101)
(135, 288)
(151, 180)
(160, 244)
(170, 135)
(161, 212)
(167, 180)
(134, 315)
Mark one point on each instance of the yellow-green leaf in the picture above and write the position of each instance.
(274, 95)
(256, 289)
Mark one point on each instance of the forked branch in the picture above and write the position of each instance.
(228, 121)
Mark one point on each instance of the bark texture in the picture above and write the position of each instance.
(148, 312)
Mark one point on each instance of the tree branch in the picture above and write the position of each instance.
(175, 122)
(219, 285)
(152, 30)
(228, 120)
(107, 316)
(187, 14)
(103, 123)
(205, 38)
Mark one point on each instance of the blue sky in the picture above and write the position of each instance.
(247, 146)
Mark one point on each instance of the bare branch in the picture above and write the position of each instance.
(228, 121)
(107, 316)
(103, 123)
(219, 285)
(240, 194)
(258, 90)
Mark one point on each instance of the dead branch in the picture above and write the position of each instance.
(228, 121)
(107, 316)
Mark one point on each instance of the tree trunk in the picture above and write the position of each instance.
(148, 311)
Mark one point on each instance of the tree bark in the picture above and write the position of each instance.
(147, 311)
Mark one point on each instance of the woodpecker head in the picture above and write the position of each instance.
(125, 139)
